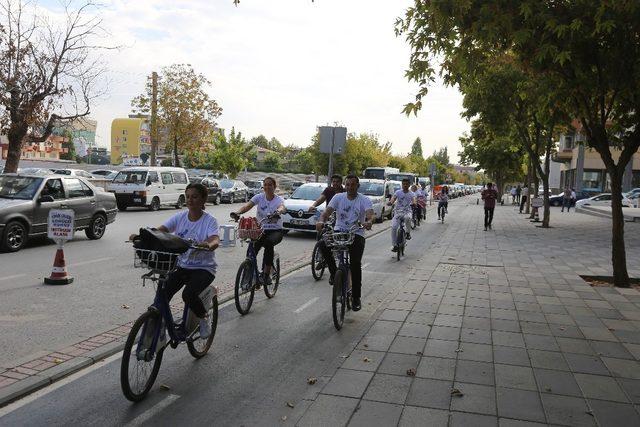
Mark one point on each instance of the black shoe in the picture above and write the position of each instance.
(489, 226)
(394, 249)
(408, 236)
(485, 229)
(356, 304)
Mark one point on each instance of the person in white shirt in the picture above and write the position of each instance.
(351, 208)
(525, 195)
(404, 199)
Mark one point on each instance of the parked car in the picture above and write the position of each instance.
(35, 171)
(101, 173)
(390, 189)
(295, 185)
(374, 189)
(556, 200)
(603, 199)
(25, 202)
(73, 172)
(233, 190)
(298, 217)
(254, 187)
(213, 188)
(149, 186)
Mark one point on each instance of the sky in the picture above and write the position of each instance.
(280, 67)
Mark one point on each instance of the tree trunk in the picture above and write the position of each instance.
(176, 160)
(618, 252)
(16, 138)
(545, 184)
(529, 178)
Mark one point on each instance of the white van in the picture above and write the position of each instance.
(149, 186)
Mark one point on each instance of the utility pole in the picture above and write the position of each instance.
(333, 141)
(154, 117)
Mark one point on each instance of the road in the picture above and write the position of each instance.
(257, 364)
(38, 319)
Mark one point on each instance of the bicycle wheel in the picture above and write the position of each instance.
(400, 242)
(318, 263)
(270, 290)
(199, 347)
(413, 222)
(139, 369)
(338, 300)
(244, 289)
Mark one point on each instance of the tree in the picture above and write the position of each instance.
(416, 148)
(272, 162)
(590, 48)
(442, 156)
(229, 155)
(185, 111)
(47, 73)
(68, 144)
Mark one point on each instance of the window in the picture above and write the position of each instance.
(53, 188)
(604, 197)
(635, 179)
(124, 132)
(592, 180)
(179, 178)
(568, 143)
(153, 176)
(76, 188)
(166, 178)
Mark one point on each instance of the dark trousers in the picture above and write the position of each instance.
(566, 203)
(523, 202)
(488, 216)
(443, 206)
(196, 281)
(268, 240)
(355, 259)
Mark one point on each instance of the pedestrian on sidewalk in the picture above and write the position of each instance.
(489, 196)
(566, 199)
(573, 197)
(513, 195)
(518, 192)
(525, 195)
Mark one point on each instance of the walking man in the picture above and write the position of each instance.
(513, 195)
(523, 199)
(489, 195)
(566, 199)
(518, 192)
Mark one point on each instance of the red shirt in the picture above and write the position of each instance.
(329, 192)
(489, 197)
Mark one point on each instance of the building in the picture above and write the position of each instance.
(83, 134)
(582, 168)
(49, 150)
(130, 138)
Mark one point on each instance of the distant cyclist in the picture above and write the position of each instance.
(328, 193)
(269, 206)
(443, 200)
(421, 198)
(404, 199)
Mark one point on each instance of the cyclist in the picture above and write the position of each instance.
(405, 200)
(420, 200)
(195, 269)
(269, 206)
(443, 200)
(351, 207)
(328, 193)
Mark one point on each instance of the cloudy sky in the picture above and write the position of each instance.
(281, 67)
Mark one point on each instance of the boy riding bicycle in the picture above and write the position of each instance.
(443, 201)
(404, 200)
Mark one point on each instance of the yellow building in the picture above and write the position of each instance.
(130, 138)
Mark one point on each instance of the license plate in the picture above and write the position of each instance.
(137, 200)
(299, 222)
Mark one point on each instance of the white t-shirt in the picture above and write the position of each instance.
(198, 231)
(265, 208)
(420, 194)
(349, 212)
(403, 201)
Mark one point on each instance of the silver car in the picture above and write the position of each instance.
(25, 202)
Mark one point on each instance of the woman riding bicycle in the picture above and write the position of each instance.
(443, 200)
(269, 206)
(195, 269)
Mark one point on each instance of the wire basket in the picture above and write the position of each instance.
(249, 229)
(338, 240)
(158, 262)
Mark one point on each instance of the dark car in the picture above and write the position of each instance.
(557, 199)
(25, 202)
(254, 187)
(233, 191)
(214, 194)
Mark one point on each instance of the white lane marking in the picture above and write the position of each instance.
(53, 387)
(90, 261)
(155, 409)
(305, 305)
(15, 276)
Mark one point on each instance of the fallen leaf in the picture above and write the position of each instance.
(419, 353)
(284, 418)
(125, 306)
(611, 329)
(164, 387)
(366, 359)
(366, 345)
(290, 405)
(547, 389)
(58, 360)
(312, 380)
(411, 372)
(456, 392)
(562, 328)
(236, 346)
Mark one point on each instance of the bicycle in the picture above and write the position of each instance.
(318, 263)
(442, 210)
(147, 339)
(401, 236)
(249, 278)
(339, 243)
(415, 217)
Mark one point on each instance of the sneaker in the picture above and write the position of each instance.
(438, 217)
(408, 236)
(489, 226)
(267, 280)
(205, 328)
(394, 249)
(356, 304)
(485, 229)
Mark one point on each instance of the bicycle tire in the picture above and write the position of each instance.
(317, 259)
(244, 287)
(413, 222)
(270, 290)
(125, 383)
(400, 242)
(338, 303)
(192, 345)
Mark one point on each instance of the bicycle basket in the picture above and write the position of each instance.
(159, 262)
(338, 239)
(249, 229)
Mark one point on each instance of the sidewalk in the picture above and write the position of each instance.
(496, 328)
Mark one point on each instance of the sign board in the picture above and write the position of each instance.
(336, 134)
(537, 202)
(432, 168)
(60, 224)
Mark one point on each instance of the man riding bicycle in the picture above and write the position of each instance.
(269, 206)
(443, 200)
(421, 203)
(351, 208)
(328, 193)
(404, 200)
(196, 269)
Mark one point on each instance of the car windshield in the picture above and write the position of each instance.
(226, 183)
(253, 184)
(400, 177)
(371, 188)
(311, 192)
(19, 187)
(131, 177)
(62, 171)
(35, 171)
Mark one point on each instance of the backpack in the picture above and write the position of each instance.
(151, 239)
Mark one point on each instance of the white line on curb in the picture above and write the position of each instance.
(305, 305)
(155, 409)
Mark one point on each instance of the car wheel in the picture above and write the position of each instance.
(97, 227)
(217, 200)
(155, 204)
(180, 203)
(14, 237)
(122, 207)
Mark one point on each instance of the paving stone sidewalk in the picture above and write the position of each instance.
(496, 328)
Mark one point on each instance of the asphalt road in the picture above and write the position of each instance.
(37, 319)
(257, 364)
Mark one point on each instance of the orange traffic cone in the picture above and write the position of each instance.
(59, 274)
